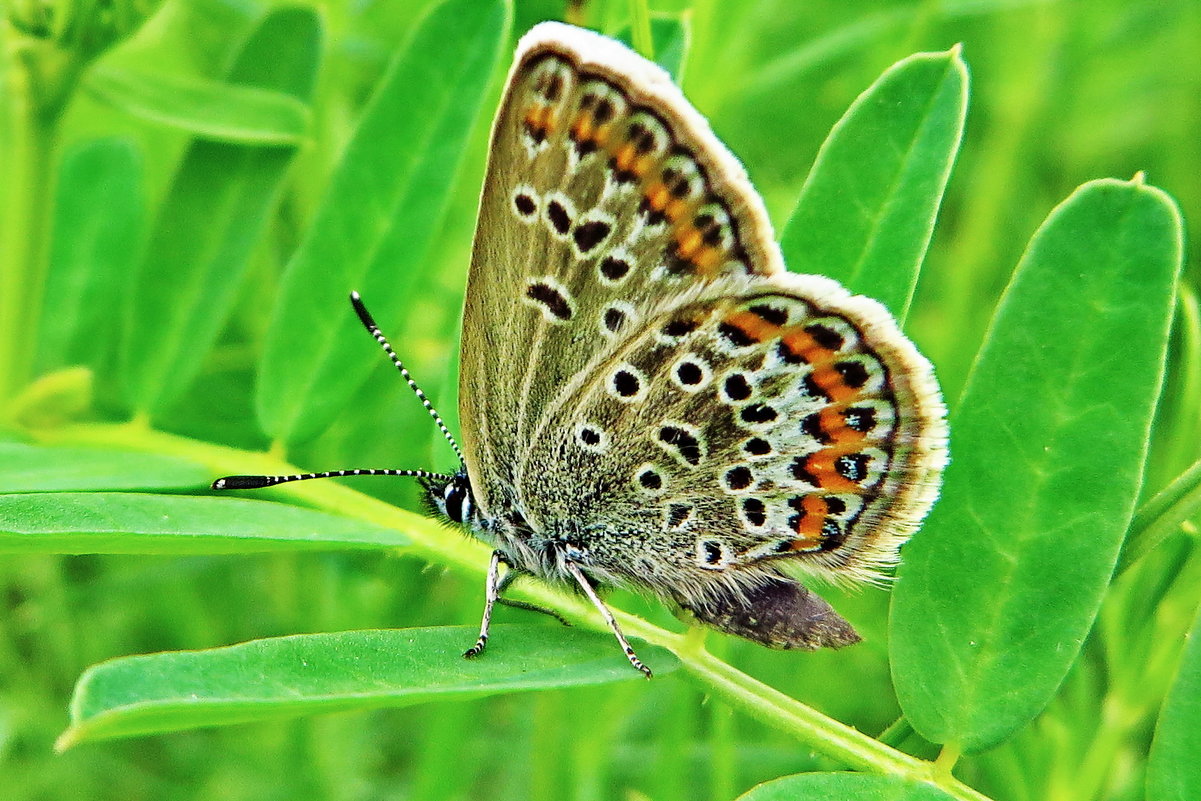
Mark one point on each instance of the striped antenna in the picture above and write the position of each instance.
(258, 482)
(369, 324)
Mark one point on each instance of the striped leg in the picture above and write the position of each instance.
(586, 586)
(507, 581)
(491, 593)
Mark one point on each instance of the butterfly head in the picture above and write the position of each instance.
(451, 496)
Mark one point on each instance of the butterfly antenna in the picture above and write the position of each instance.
(373, 329)
(258, 482)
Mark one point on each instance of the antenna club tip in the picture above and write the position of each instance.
(361, 310)
(242, 482)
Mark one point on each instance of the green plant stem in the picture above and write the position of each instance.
(640, 28)
(1162, 516)
(897, 732)
(37, 81)
(825, 735)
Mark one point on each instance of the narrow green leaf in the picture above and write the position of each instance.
(232, 112)
(209, 222)
(312, 673)
(99, 220)
(116, 522)
(35, 468)
(671, 35)
(379, 216)
(866, 212)
(1173, 770)
(844, 787)
(998, 591)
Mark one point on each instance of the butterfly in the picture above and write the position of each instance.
(647, 398)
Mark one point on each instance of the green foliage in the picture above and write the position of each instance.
(378, 219)
(866, 212)
(1173, 773)
(212, 216)
(189, 196)
(845, 787)
(119, 522)
(1050, 436)
(311, 673)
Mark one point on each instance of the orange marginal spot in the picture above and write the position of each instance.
(657, 196)
(832, 383)
(752, 325)
(644, 165)
(800, 343)
(688, 241)
(676, 209)
(708, 259)
(834, 425)
(801, 546)
(624, 157)
(548, 119)
(820, 465)
(582, 129)
(540, 118)
(812, 518)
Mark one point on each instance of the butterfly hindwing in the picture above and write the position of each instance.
(764, 420)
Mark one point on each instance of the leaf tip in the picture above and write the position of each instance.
(1140, 178)
(68, 739)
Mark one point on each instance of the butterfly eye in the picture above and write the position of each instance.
(457, 500)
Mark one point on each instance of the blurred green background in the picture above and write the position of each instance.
(1062, 92)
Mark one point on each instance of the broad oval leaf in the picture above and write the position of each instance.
(1173, 769)
(117, 522)
(312, 673)
(209, 222)
(37, 468)
(844, 787)
(866, 212)
(378, 218)
(233, 112)
(997, 592)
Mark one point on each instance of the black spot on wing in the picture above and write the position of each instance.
(558, 216)
(550, 298)
(590, 234)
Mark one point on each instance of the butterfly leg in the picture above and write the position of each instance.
(511, 576)
(491, 593)
(586, 586)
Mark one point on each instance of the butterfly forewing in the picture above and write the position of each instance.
(643, 386)
(606, 195)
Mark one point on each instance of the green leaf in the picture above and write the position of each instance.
(234, 112)
(866, 212)
(217, 207)
(312, 673)
(1173, 770)
(671, 35)
(378, 218)
(95, 242)
(34, 468)
(999, 590)
(104, 522)
(844, 787)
